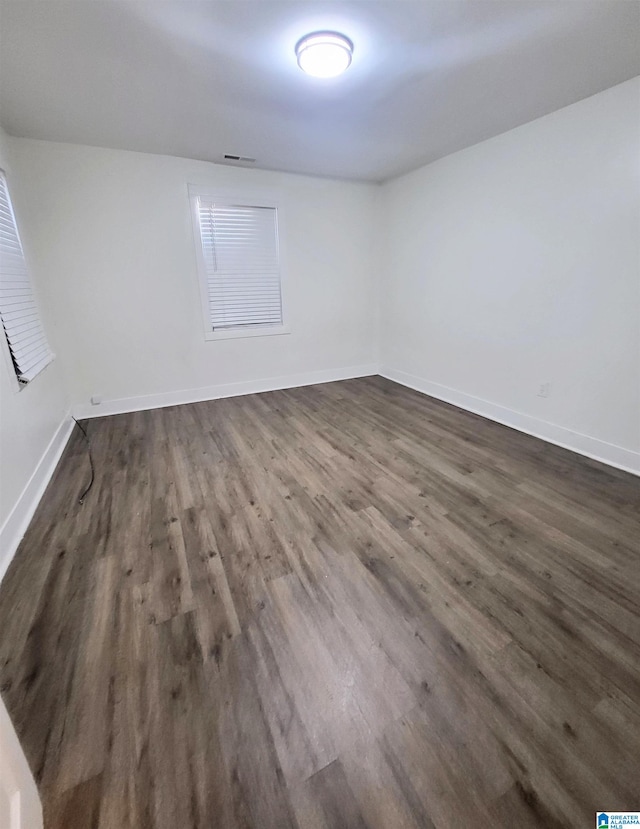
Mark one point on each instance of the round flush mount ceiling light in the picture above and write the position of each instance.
(324, 54)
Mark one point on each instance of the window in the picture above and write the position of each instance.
(239, 262)
(28, 346)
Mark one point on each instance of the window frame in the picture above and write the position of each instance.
(17, 384)
(245, 198)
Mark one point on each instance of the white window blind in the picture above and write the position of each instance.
(241, 264)
(28, 345)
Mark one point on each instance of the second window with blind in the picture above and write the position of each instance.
(28, 348)
(239, 263)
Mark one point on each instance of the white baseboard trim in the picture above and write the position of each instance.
(599, 450)
(16, 524)
(177, 398)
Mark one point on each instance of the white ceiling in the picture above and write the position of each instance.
(200, 79)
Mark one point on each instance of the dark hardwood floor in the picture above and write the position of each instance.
(337, 606)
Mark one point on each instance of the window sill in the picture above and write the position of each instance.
(237, 333)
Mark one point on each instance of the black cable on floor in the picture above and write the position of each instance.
(86, 437)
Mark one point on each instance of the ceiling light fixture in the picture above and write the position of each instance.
(324, 54)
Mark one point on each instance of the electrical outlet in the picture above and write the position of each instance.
(96, 399)
(545, 390)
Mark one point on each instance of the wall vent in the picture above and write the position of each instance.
(244, 158)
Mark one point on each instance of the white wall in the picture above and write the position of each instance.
(20, 806)
(509, 265)
(33, 421)
(116, 231)
(516, 263)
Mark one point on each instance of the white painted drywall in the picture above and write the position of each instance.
(19, 801)
(480, 278)
(115, 229)
(30, 418)
(516, 263)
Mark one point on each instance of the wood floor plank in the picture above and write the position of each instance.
(345, 605)
(326, 800)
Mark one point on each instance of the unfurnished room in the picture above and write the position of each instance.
(319, 414)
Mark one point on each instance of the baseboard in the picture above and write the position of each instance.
(20, 516)
(177, 398)
(594, 448)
